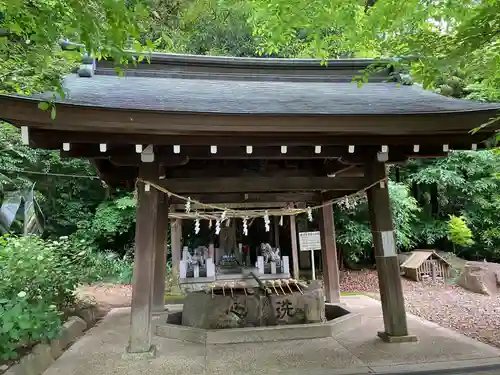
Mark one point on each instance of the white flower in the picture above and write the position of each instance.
(21, 294)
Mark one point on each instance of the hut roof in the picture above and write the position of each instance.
(420, 256)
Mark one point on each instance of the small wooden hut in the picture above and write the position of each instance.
(424, 264)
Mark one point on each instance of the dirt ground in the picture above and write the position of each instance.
(450, 306)
(106, 295)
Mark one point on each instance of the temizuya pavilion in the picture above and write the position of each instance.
(256, 132)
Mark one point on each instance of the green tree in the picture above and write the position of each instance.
(30, 33)
(465, 184)
(442, 35)
(68, 190)
(353, 228)
(459, 232)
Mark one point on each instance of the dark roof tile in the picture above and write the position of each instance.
(260, 97)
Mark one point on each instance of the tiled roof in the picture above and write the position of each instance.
(259, 96)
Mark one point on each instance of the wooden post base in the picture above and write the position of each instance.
(151, 353)
(385, 337)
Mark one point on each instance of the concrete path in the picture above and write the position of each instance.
(355, 351)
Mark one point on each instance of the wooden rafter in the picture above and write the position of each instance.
(168, 157)
(261, 197)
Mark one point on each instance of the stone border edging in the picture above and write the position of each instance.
(460, 367)
(259, 334)
(43, 355)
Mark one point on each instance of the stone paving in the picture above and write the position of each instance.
(354, 351)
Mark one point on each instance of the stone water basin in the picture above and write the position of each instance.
(252, 317)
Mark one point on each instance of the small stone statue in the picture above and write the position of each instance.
(269, 254)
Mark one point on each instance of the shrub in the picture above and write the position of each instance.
(24, 322)
(459, 233)
(38, 280)
(38, 268)
(94, 265)
(36, 283)
(108, 267)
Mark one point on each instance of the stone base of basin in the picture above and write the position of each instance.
(343, 321)
(243, 308)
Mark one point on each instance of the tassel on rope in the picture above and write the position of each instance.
(309, 214)
(245, 226)
(345, 200)
(267, 222)
(197, 226)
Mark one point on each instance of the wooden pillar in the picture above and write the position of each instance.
(384, 241)
(295, 252)
(276, 232)
(329, 256)
(144, 259)
(160, 253)
(175, 243)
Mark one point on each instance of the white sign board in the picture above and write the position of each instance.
(309, 241)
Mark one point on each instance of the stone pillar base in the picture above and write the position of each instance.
(151, 353)
(385, 337)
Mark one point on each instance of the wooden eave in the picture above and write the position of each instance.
(140, 124)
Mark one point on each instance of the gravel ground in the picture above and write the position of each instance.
(450, 306)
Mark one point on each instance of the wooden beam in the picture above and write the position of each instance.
(173, 124)
(261, 184)
(175, 242)
(243, 205)
(144, 260)
(128, 156)
(388, 270)
(160, 253)
(295, 252)
(329, 256)
(271, 170)
(236, 198)
(276, 231)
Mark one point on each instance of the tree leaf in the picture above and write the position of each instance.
(43, 106)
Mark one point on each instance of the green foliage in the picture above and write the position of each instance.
(98, 266)
(445, 35)
(465, 184)
(31, 31)
(36, 283)
(404, 215)
(38, 268)
(38, 279)
(24, 322)
(112, 225)
(353, 228)
(114, 216)
(459, 233)
(65, 200)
